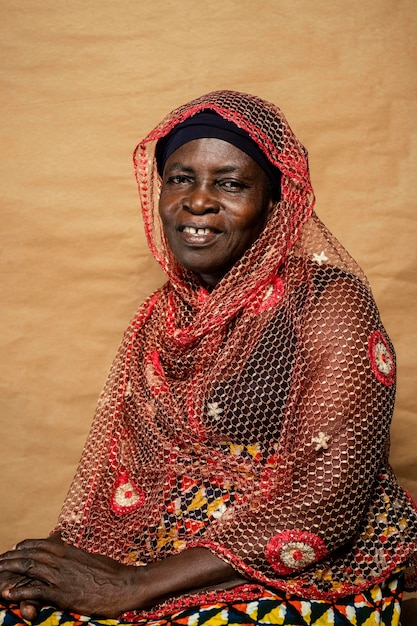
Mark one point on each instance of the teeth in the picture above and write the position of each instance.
(196, 231)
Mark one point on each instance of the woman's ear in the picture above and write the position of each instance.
(271, 204)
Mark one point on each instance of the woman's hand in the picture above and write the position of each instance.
(28, 609)
(46, 571)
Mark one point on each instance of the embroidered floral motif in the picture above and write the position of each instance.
(126, 495)
(292, 550)
(297, 554)
(270, 295)
(214, 410)
(381, 357)
(319, 258)
(273, 294)
(321, 441)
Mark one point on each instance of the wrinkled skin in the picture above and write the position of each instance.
(8, 580)
(66, 577)
(41, 572)
(29, 609)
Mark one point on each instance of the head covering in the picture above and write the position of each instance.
(252, 420)
(210, 124)
(268, 129)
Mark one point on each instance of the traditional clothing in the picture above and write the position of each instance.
(252, 420)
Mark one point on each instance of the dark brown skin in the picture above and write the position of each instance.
(47, 571)
(207, 184)
(211, 185)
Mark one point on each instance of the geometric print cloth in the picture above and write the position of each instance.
(378, 606)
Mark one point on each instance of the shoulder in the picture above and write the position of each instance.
(311, 287)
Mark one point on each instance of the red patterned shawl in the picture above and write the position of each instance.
(271, 397)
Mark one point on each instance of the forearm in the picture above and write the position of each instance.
(91, 584)
(191, 570)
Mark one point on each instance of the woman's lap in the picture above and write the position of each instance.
(378, 606)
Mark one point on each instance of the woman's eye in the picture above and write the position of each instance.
(232, 185)
(178, 179)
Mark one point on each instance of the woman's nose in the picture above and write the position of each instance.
(200, 200)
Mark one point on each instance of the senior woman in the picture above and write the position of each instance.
(236, 470)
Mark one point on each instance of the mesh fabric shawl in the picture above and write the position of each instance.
(276, 388)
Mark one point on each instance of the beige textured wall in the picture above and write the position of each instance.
(80, 84)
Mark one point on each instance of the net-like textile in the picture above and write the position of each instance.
(252, 420)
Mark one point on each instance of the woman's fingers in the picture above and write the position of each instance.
(9, 580)
(29, 610)
(70, 579)
(36, 591)
(31, 563)
(51, 545)
(38, 546)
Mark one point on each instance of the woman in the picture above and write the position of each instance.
(238, 456)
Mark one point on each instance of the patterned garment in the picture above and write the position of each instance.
(251, 419)
(378, 606)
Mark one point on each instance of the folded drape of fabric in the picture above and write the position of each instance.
(252, 420)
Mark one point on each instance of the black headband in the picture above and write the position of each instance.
(210, 124)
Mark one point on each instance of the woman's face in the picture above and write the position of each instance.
(215, 201)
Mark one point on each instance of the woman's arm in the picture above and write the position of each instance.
(314, 491)
(91, 584)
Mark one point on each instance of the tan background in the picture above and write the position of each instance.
(80, 84)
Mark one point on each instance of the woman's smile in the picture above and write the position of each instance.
(196, 231)
(195, 235)
(215, 201)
